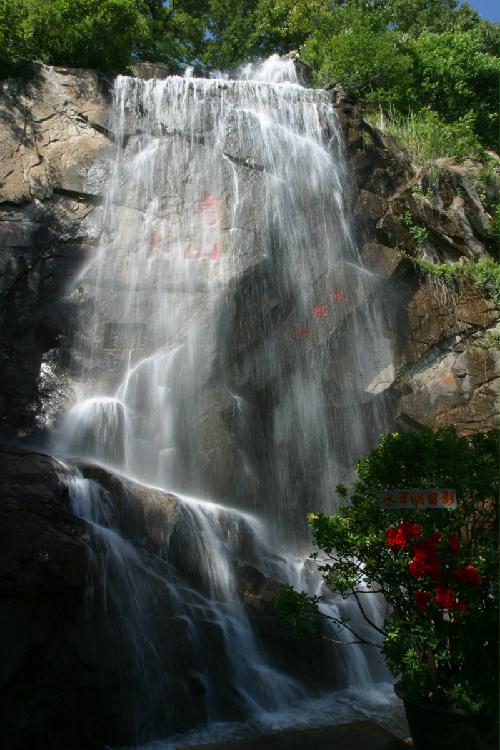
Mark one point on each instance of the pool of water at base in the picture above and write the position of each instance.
(377, 703)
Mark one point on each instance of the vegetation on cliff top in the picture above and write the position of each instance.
(432, 57)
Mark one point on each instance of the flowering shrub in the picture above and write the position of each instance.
(436, 568)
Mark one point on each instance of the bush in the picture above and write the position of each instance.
(429, 57)
(436, 568)
(427, 137)
(483, 273)
(455, 77)
(364, 56)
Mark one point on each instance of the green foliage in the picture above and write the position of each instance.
(444, 651)
(419, 233)
(488, 341)
(427, 137)
(363, 55)
(493, 228)
(456, 78)
(173, 33)
(487, 190)
(283, 25)
(230, 25)
(482, 273)
(417, 56)
(87, 33)
(299, 610)
(434, 58)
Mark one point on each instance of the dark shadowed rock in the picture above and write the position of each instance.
(358, 735)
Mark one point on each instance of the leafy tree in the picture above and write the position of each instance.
(436, 568)
(87, 33)
(230, 38)
(454, 76)
(175, 34)
(365, 56)
(284, 25)
(415, 16)
(412, 55)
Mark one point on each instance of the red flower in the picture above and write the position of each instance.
(395, 539)
(462, 606)
(425, 560)
(399, 537)
(428, 545)
(422, 600)
(410, 530)
(418, 568)
(445, 598)
(454, 542)
(468, 575)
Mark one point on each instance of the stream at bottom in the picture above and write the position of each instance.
(166, 592)
(377, 703)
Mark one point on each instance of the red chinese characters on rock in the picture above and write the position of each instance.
(300, 330)
(194, 251)
(320, 312)
(338, 296)
(209, 210)
(155, 239)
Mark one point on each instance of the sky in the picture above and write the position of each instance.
(486, 8)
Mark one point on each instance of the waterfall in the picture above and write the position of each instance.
(227, 277)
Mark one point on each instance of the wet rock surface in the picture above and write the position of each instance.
(443, 370)
(53, 141)
(55, 138)
(72, 675)
(438, 212)
(62, 659)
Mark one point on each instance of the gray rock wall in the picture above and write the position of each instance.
(53, 141)
(447, 332)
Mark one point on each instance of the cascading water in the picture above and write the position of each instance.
(227, 276)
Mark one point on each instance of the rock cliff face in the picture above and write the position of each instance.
(64, 657)
(447, 373)
(54, 139)
(52, 143)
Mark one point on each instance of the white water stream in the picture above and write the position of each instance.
(214, 183)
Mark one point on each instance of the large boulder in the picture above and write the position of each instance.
(74, 598)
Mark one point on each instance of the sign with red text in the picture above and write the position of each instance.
(209, 208)
(414, 497)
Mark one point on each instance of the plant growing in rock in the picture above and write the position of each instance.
(419, 233)
(436, 568)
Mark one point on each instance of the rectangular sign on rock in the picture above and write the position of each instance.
(413, 497)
